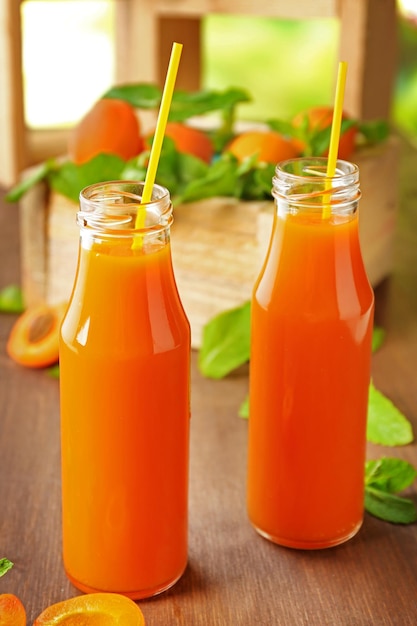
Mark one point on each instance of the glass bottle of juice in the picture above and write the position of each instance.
(311, 331)
(124, 384)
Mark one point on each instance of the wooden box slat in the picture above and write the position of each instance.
(218, 245)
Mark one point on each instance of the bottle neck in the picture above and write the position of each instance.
(112, 214)
(301, 188)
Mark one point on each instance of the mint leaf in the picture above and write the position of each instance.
(386, 424)
(11, 300)
(225, 342)
(389, 507)
(389, 474)
(378, 338)
(5, 565)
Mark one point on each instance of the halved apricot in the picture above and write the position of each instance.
(111, 126)
(268, 145)
(12, 611)
(93, 609)
(34, 338)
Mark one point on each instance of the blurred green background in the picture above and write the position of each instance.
(289, 65)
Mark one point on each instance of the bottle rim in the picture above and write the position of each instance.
(303, 181)
(114, 205)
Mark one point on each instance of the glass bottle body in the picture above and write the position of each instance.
(311, 334)
(124, 384)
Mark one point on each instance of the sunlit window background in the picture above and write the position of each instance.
(68, 58)
(69, 61)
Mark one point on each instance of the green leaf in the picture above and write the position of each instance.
(374, 131)
(319, 141)
(386, 424)
(221, 179)
(287, 128)
(53, 371)
(5, 565)
(70, 179)
(38, 174)
(389, 474)
(257, 182)
(140, 96)
(378, 338)
(11, 300)
(244, 408)
(185, 105)
(389, 507)
(225, 342)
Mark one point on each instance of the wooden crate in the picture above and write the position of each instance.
(218, 245)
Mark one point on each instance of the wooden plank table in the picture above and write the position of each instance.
(234, 577)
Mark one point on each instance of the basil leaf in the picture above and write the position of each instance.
(190, 104)
(38, 174)
(5, 565)
(220, 180)
(70, 179)
(225, 342)
(374, 131)
(190, 168)
(53, 371)
(319, 141)
(140, 96)
(11, 300)
(386, 424)
(244, 408)
(389, 507)
(287, 128)
(256, 183)
(389, 474)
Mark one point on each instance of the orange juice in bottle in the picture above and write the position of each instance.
(124, 384)
(312, 317)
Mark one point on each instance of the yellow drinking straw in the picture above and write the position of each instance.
(160, 129)
(335, 130)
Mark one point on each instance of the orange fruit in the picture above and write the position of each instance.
(190, 140)
(34, 338)
(93, 609)
(269, 146)
(320, 118)
(111, 126)
(12, 611)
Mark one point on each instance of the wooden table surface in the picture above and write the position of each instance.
(234, 577)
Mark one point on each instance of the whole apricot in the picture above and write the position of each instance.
(269, 146)
(93, 609)
(190, 140)
(319, 118)
(111, 126)
(12, 611)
